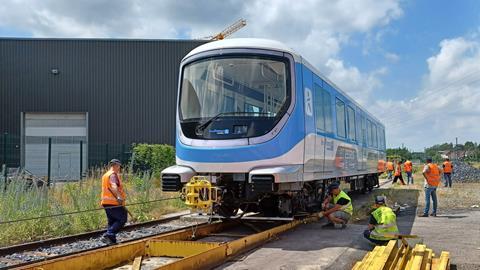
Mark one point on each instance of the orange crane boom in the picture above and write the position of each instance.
(229, 30)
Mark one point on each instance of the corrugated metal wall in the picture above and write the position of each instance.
(128, 87)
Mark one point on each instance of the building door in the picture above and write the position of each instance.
(67, 130)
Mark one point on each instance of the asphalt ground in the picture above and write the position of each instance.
(311, 247)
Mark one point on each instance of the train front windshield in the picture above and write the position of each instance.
(233, 97)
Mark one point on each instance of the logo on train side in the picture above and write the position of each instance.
(308, 102)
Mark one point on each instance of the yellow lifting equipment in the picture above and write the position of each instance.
(199, 194)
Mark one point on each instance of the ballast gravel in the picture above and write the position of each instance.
(95, 242)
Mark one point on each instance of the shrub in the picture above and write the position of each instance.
(153, 157)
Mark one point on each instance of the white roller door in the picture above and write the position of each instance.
(67, 130)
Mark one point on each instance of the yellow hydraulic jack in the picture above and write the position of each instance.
(199, 194)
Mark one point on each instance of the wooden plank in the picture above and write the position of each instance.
(427, 262)
(390, 253)
(373, 256)
(418, 254)
(405, 259)
(444, 261)
(357, 265)
(435, 263)
(393, 263)
(137, 263)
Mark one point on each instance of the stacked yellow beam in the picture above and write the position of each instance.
(393, 257)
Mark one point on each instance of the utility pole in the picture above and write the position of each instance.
(455, 149)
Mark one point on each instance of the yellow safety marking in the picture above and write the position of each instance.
(137, 263)
(96, 259)
(111, 256)
(167, 248)
(218, 255)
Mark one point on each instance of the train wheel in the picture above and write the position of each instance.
(269, 206)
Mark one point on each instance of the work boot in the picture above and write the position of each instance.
(328, 225)
(344, 225)
(424, 215)
(108, 239)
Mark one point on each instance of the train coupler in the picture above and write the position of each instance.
(199, 194)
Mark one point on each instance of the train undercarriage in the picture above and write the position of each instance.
(229, 194)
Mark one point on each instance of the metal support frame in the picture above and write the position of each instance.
(49, 166)
(5, 173)
(192, 254)
(81, 160)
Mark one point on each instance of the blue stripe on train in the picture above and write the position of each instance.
(290, 135)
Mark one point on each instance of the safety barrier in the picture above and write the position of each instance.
(398, 255)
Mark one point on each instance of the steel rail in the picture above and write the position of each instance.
(189, 253)
(84, 236)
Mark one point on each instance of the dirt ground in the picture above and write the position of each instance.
(456, 229)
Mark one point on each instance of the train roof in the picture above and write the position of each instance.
(268, 44)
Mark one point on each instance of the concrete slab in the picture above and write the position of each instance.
(311, 247)
(308, 247)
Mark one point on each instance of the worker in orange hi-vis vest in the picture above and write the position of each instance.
(431, 172)
(113, 200)
(408, 170)
(447, 172)
(389, 169)
(398, 173)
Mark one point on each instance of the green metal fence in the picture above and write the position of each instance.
(55, 159)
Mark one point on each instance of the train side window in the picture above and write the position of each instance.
(319, 110)
(369, 133)
(327, 109)
(340, 110)
(384, 143)
(351, 124)
(364, 130)
(375, 137)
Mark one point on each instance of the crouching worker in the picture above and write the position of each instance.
(337, 207)
(113, 200)
(383, 223)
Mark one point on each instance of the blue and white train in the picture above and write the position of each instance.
(269, 130)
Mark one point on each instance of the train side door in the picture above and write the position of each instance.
(309, 158)
(319, 111)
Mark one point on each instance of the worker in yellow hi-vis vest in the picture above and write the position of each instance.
(337, 207)
(383, 223)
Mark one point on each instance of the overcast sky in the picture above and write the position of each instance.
(414, 64)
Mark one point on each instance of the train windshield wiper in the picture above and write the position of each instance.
(199, 129)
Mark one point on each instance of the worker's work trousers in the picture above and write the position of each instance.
(409, 178)
(397, 177)
(339, 213)
(448, 179)
(366, 234)
(389, 175)
(117, 217)
(430, 192)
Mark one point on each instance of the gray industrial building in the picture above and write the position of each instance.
(103, 94)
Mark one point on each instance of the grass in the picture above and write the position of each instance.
(460, 196)
(21, 201)
(362, 209)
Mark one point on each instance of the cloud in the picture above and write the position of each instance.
(316, 29)
(360, 85)
(446, 107)
(392, 57)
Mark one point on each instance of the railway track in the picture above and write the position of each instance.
(24, 254)
(195, 247)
